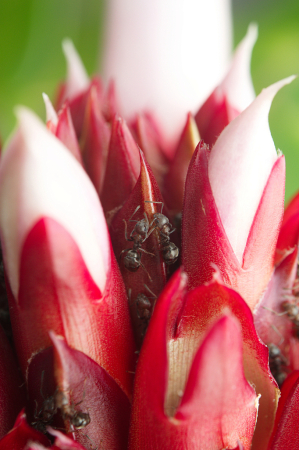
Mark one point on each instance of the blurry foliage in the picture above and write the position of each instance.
(31, 60)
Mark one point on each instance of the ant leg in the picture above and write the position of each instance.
(148, 235)
(172, 230)
(279, 334)
(147, 225)
(151, 292)
(151, 201)
(148, 253)
(126, 232)
(274, 312)
(146, 271)
(134, 214)
(131, 234)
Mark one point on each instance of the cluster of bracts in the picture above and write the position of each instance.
(138, 320)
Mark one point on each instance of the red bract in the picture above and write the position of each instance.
(87, 388)
(21, 434)
(122, 165)
(236, 198)
(212, 406)
(289, 233)
(272, 322)
(285, 435)
(150, 140)
(95, 139)
(61, 269)
(61, 126)
(153, 271)
(205, 304)
(209, 243)
(174, 182)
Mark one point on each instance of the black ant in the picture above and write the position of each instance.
(140, 232)
(47, 412)
(170, 251)
(144, 307)
(78, 419)
(277, 363)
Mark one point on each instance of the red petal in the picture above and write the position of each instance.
(289, 233)
(154, 272)
(148, 420)
(218, 402)
(71, 304)
(77, 108)
(174, 182)
(213, 116)
(285, 435)
(91, 390)
(65, 132)
(22, 434)
(95, 140)
(205, 241)
(150, 140)
(203, 306)
(271, 322)
(110, 103)
(151, 427)
(12, 393)
(122, 166)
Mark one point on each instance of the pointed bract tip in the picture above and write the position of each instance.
(77, 78)
(237, 85)
(272, 90)
(29, 122)
(50, 111)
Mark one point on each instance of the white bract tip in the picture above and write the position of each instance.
(50, 111)
(165, 55)
(77, 79)
(240, 164)
(40, 178)
(237, 85)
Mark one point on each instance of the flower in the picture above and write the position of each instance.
(92, 266)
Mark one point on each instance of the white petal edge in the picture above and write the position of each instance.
(166, 55)
(39, 177)
(240, 164)
(77, 79)
(50, 111)
(237, 85)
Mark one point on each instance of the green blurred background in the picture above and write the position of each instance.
(31, 60)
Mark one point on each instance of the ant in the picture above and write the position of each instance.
(78, 419)
(48, 410)
(140, 232)
(144, 307)
(170, 251)
(277, 363)
(292, 311)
